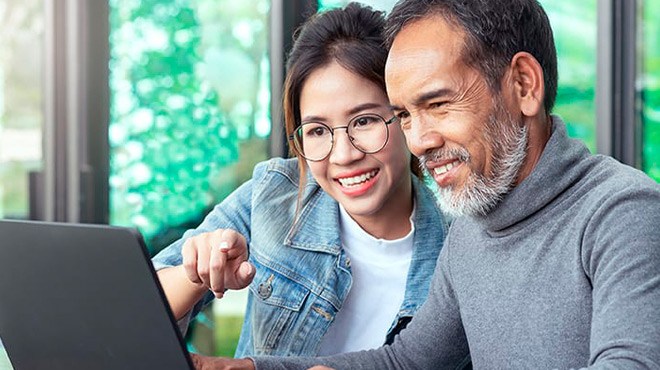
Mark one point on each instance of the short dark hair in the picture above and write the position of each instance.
(495, 31)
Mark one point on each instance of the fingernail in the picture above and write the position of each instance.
(224, 247)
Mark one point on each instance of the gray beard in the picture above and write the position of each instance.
(482, 192)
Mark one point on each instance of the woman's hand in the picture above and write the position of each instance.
(218, 261)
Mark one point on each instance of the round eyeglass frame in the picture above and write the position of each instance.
(387, 123)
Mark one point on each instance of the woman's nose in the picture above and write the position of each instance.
(343, 151)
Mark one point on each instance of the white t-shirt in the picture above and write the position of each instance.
(379, 268)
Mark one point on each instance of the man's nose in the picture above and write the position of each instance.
(423, 136)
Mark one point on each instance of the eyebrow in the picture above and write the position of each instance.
(353, 111)
(433, 94)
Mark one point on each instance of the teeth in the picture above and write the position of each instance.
(356, 180)
(442, 169)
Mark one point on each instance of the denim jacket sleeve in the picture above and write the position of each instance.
(234, 212)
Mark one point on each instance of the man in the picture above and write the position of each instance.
(553, 260)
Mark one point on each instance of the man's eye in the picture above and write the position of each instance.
(402, 115)
(404, 119)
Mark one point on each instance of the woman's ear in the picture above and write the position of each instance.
(528, 83)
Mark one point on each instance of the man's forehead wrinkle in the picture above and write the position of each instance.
(400, 63)
(472, 87)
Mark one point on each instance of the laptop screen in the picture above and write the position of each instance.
(83, 297)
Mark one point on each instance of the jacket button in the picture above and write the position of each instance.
(348, 262)
(265, 290)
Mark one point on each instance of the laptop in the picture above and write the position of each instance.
(75, 296)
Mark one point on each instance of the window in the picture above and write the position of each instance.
(650, 83)
(189, 119)
(574, 27)
(21, 116)
(189, 109)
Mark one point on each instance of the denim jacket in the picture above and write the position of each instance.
(302, 274)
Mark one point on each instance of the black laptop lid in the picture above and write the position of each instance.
(83, 297)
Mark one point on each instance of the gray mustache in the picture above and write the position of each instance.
(442, 154)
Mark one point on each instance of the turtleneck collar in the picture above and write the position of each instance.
(555, 171)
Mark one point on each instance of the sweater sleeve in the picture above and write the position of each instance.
(621, 256)
(430, 341)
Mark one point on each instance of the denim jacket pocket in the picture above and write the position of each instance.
(277, 303)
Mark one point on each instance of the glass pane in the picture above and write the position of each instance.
(650, 81)
(21, 117)
(385, 5)
(574, 26)
(190, 100)
(189, 108)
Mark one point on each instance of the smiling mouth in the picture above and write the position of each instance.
(445, 168)
(353, 181)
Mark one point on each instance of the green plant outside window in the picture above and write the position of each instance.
(190, 98)
(189, 109)
(651, 89)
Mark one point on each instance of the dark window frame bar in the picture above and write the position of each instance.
(73, 185)
(618, 111)
(285, 18)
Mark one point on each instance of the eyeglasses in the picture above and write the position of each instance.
(368, 133)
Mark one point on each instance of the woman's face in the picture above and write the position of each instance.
(367, 185)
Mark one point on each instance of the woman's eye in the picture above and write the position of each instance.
(315, 131)
(364, 121)
(319, 131)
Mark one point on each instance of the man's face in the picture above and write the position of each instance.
(467, 139)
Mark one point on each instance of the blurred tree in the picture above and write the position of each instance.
(650, 78)
(168, 137)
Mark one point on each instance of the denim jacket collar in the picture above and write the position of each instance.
(427, 244)
(317, 226)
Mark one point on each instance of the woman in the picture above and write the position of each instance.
(343, 239)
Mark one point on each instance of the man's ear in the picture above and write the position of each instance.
(527, 79)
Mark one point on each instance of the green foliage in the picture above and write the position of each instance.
(227, 335)
(651, 90)
(168, 137)
(575, 40)
(189, 110)
(189, 119)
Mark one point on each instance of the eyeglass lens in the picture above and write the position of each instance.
(367, 133)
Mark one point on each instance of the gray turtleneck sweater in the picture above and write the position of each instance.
(564, 273)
